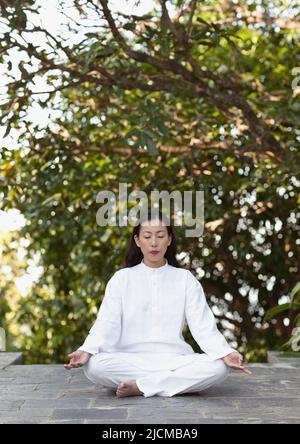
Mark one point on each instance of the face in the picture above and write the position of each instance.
(153, 241)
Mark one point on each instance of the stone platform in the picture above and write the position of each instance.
(52, 394)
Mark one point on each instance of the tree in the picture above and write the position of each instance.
(194, 100)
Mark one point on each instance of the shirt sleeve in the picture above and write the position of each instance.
(202, 323)
(106, 330)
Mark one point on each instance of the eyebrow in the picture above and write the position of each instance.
(156, 231)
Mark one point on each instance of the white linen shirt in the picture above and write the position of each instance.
(144, 310)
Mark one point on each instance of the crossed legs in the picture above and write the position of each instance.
(111, 370)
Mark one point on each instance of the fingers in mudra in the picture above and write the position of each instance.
(245, 370)
(241, 367)
(74, 363)
(235, 361)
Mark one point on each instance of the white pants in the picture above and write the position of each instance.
(186, 373)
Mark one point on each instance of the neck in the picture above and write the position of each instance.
(155, 264)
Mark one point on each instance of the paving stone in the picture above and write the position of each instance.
(119, 421)
(72, 421)
(8, 358)
(114, 401)
(35, 412)
(17, 388)
(111, 422)
(69, 394)
(56, 403)
(92, 413)
(7, 405)
(14, 420)
(11, 396)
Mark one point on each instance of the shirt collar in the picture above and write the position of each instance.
(154, 269)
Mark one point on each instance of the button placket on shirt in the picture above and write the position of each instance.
(154, 300)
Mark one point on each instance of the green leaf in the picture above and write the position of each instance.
(55, 196)
(295, 291)
(165, 47)
(151, 147)
(275, 310)
(129, 26)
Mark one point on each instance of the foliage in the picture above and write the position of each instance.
(293, 306)
(201, 100)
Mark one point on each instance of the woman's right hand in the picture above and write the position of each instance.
(77, 359)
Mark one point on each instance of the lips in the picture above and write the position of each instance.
(154, 252)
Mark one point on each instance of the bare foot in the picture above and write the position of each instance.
(128, 388)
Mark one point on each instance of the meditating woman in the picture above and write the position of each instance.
(136, 345)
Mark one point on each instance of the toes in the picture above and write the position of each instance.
(121, 391)
(124, 389)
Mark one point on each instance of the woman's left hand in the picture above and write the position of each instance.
(235, 360)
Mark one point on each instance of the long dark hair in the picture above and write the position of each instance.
(134, 255)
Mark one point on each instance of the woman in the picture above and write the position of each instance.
(136, 344)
